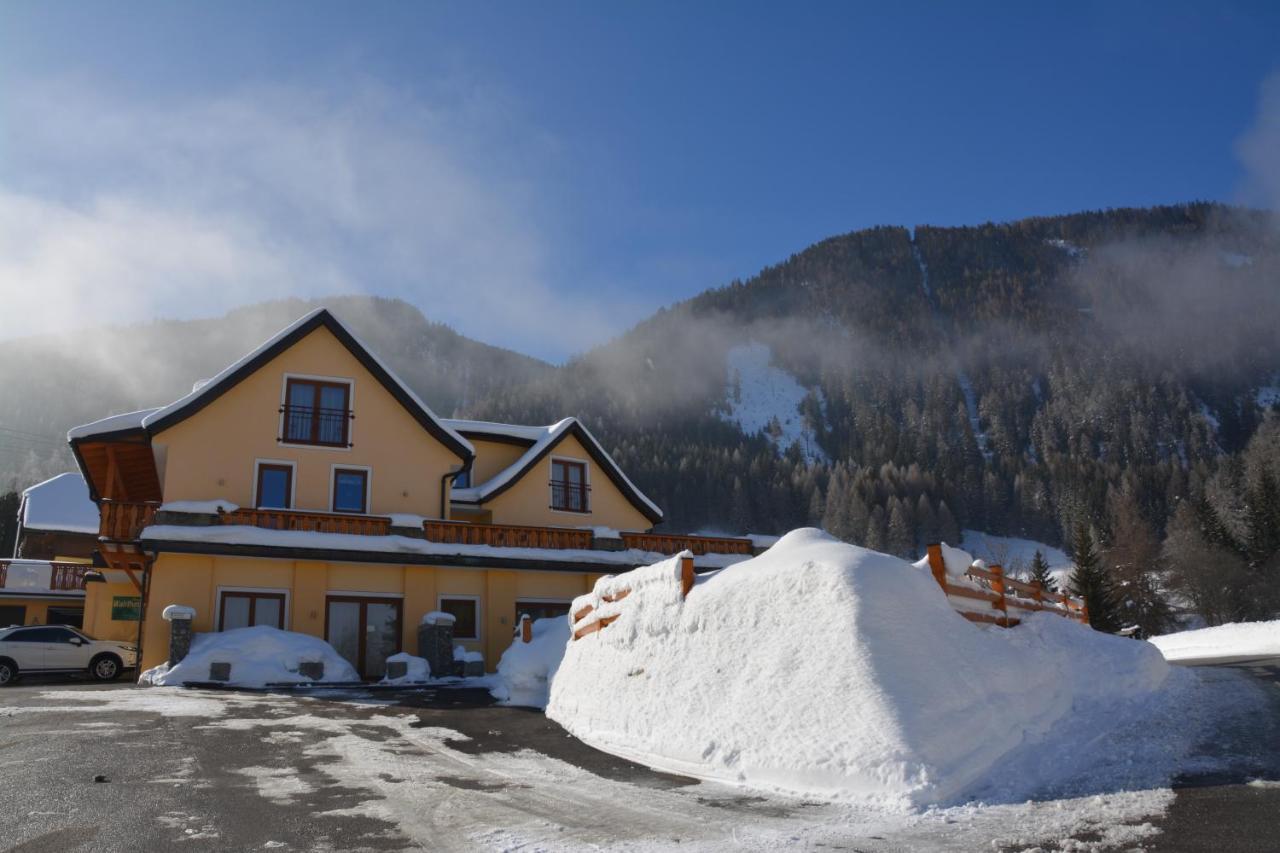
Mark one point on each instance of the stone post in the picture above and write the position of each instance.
(179, 618)
(435, 642)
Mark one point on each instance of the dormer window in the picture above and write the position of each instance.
(317, 412)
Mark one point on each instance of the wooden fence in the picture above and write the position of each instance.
(591, 626)
(1003, 593)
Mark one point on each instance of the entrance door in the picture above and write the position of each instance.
(365, 631)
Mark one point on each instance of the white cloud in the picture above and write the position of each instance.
(1259, 149)
(116, 210)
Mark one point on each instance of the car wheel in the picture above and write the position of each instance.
(105, 668)
(8, 672)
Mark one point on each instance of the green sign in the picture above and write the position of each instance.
(126, 608)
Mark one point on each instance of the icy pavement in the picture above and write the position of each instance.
(439, 770)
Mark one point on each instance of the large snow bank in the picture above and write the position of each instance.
(825, 669)
(259, 656)
(525, 670)
(1238, 642)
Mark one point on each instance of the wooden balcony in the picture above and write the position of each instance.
(311, 522)
(63, 577)
(506, 535)
(122, 521)
(663, 543)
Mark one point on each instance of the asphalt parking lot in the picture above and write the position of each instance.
(447, 770)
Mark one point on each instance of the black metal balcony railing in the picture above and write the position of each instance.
(567, 496)
(314, 425)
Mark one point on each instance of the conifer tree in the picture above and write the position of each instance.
(1040, 573)
(1090, 582)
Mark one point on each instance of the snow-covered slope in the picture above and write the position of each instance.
(1015, 554)
(829, 670)
(763, 397)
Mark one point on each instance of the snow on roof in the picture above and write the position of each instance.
(520, 431)
(114, 423)
(238, 534)
(60, 503)
(150, 417)
(545, 437)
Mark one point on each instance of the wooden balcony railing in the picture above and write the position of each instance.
(65, 577)
(663, 543)
(312, 522)
(506, 535)
(123, 521)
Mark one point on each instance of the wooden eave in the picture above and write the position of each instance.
(118, 466)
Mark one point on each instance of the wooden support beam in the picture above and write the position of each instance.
(686, 576)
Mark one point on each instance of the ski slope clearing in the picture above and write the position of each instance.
(766, 398)
(1238, 643)
(826, 670)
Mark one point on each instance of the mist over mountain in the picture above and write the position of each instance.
(894, 385)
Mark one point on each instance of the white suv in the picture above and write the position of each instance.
(57, 648)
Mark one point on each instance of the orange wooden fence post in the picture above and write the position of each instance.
(997, 586)
(526, 628)
(1037, 593)
(686, 576)
(937, 565)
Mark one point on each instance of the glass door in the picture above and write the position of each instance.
(365, 631)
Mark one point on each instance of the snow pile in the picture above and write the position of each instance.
(418, 670)
(461, 655)
(259, 656)
(820, 668)
(60, 503)
(1238, 642)
(761, 395)
(525, 670)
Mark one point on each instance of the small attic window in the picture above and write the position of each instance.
(317, 412)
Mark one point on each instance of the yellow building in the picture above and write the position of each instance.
(306, 487)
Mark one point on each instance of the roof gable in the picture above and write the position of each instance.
(181, 409)
(551, 437)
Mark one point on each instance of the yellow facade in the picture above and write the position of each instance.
(493, 457)
(198, 581)
(98, 601)
(213, 453)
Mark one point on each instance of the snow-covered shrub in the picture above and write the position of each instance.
(417, 669)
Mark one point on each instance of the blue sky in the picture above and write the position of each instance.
(542, 175)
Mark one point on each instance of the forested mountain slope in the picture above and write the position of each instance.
(1099, 369)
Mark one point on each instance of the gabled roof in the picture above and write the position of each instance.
(153, 421)
(544, 439)
(61, 503)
